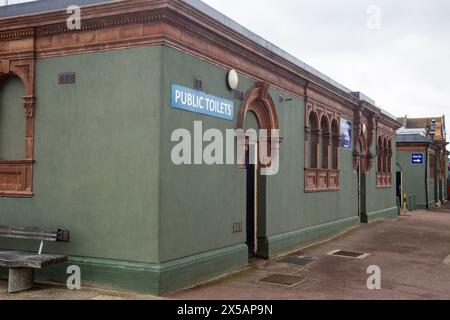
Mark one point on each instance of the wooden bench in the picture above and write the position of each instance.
(21, 265)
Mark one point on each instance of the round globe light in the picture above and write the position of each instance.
(233, 79)
(364, 128)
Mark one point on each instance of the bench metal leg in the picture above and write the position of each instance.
(20, 279)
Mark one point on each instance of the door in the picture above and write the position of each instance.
(362, 196)
(252, 199)
(399, 188)
(362, 212)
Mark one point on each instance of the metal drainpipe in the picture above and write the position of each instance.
(426, 176)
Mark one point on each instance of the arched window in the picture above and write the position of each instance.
(389, 160)
(322, 143)
(335, 145)
(325, 142)
(380, 155)
(12, 120)
(314, 141)
(384, 159)
(17, 104)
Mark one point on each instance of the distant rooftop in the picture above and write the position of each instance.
(41, 6)
(425, 124)
(404, 131)
(411, 138)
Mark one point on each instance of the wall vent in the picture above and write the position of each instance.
(198, 84)
(238, 95)
(66, 78)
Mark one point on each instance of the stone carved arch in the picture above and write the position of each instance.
(363, 136)
(335, 143)
(16, 175)
(259, 101)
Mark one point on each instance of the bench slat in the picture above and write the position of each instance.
(34, 233)
(18, 259)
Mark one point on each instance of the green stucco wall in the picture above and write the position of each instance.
(96, 149)
(12, 120)
(104, 171)
(192, 222)
(447, 181)
(413, 180)
(381, 202)
(199, 203)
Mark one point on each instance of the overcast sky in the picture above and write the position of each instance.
(396, 52)
(400, 58)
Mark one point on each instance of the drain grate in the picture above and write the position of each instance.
(349, 254)
(285, 280)
(303, 262)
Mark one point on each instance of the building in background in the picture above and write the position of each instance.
(422, 159)
(87, 119)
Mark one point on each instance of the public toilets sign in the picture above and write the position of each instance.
(199, 102)
(417, 158)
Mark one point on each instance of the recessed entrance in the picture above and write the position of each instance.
(362, 210)
(252, 199)
(399, 188)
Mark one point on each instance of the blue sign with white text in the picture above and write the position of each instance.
(417, 158)
(199, 102)
(346, 134)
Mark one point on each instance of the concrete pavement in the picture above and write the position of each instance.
(412, 252)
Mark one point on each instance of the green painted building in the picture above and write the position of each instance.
(93, 151)
(422, 162)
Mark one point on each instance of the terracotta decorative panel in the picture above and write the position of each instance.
(321, 180)
(333, 180)
(16, 178)
(310, 180)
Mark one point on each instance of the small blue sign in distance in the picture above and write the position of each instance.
(199, 102)
(417, 158)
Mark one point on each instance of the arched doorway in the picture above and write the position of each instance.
(362, 209)
(257, 113)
